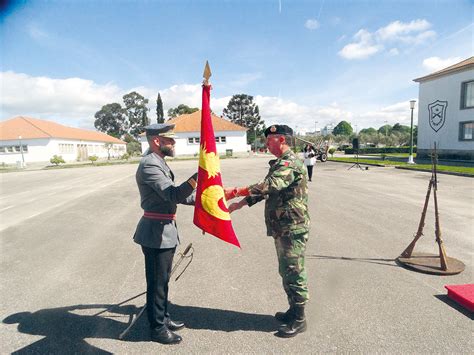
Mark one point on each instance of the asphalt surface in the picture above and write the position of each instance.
(67, 254)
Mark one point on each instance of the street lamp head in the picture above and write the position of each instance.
(412, 104)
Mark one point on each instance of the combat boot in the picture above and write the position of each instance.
(285, 317)
(297, 325)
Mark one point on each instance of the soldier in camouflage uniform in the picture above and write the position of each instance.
(287, 220)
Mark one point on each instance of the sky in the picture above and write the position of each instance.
(306, 63)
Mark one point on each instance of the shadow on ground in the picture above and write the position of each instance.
(456, 306)
(66, 331)
(380, 261)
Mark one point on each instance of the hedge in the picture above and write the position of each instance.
(384, 150)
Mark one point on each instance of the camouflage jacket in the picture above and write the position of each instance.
(286, 196)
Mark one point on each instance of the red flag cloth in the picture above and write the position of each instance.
(210, 210)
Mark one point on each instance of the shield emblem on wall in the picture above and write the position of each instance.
(437, 114)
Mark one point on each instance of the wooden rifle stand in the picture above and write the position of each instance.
(430, 263)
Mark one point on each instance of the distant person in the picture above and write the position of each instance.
(309, 154)
(157, 232)
(285, 192)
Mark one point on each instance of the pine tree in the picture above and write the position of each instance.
(160, 117)
(243, 111)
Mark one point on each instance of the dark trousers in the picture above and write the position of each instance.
(158, 264)
(310, 171)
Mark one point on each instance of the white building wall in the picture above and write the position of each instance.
(446, 88)
(36, 150)
(42, 150)
(235, 140)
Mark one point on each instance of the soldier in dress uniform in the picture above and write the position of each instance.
(156, 232)
(287, 220)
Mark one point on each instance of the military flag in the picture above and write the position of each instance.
(210, 211)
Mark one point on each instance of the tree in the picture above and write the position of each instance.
(136, 110)
(343, 128)
(111, 119)
(243, 111)
(108, 146)
(56, 160)
(369, 130)
(182, 109)
(160, 117)
(93, 158)
(386, 130)
(397, 127)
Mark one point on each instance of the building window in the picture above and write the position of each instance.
(220, 139)
(465, 131)
(193, 140)
(467, 95)
(66, 148)
(14, 149)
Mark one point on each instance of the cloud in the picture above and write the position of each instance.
(74, 101)
(402, 31)
(69, 99)
(395, 113)
(36, 33)
(363, 48)
(279, 111)
(311, 24)
(434, 64)
(366, 44)
(393, 52)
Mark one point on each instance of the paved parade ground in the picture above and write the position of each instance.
(67, 254)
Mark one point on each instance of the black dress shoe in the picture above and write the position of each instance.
(165, 336)
(174, 324)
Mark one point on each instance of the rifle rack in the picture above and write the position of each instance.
(433, 264)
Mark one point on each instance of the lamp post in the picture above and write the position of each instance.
(410, 157)
(21, 151)
(315, 127)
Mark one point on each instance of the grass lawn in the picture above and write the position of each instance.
(396, 155)
(441, 168)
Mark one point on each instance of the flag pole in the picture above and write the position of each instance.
(206, 75)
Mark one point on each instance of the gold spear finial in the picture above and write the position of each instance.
(207, 73)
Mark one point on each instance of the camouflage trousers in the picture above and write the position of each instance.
(291, 258)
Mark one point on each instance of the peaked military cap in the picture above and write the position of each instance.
(160, 129)
(279, 129)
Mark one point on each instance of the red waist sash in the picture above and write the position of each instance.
(159, 216)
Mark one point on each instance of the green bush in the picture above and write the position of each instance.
(56, 160)
(332, 151)
(125, 157)
(93, 158)
(134, 148)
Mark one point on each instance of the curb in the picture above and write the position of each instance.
(405, 168)
(353, 162)
(437, 172)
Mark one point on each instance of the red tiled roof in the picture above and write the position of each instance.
(31, 128)
(461, 66)
(192, 123)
